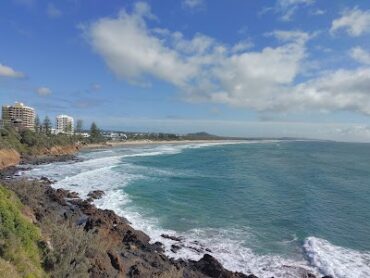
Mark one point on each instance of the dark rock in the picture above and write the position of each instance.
(174, 238)
(158, 247)
(195, 249)
(72, 194)
(45, 179)
(96, 194)
(134, 271)
(175, 248)
(210, 267)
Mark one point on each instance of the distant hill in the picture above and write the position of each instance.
(201, 136)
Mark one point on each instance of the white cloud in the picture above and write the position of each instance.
(289, 7)
(337, 90)
(52, 11)
(7, 71)
(43, 91)
(318, 12)
(360, 55)
(242, 46)
(355, 22)
(205, 69)
(131, 50)
(192, 4)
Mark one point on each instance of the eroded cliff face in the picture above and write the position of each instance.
(8, 158)
(59, 150)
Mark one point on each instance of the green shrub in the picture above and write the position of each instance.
(19, 239)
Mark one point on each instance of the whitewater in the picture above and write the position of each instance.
(271, 208)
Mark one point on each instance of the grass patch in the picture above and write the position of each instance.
(19, 238)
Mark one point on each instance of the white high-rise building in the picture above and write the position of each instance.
(64, 124)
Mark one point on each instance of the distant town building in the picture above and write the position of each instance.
(115, 136)
(18, 116)
(64, 124)
(83, 134)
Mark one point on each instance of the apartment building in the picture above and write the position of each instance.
(18, 116)
(65, 124)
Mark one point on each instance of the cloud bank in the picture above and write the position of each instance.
(268, 79)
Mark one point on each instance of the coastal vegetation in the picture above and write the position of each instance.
(20, 255)
(30, 142)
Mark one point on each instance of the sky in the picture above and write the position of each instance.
(267, 68)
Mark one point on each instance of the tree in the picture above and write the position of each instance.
(28, 138)
(47, 125)
(37, 123)
(95, 133)
(79, 126)
(68, 129)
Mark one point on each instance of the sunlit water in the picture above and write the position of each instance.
(267, 208)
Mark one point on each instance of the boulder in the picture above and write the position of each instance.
(96, 194)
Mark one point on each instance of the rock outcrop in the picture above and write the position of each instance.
(53, 154)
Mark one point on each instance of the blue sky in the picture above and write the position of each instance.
(242, 68)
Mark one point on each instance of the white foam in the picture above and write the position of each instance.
(335, 260)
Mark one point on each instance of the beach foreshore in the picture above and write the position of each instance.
(147, 142)
(152, 142)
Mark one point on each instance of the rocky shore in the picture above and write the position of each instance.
(112, 248)
(96, 242)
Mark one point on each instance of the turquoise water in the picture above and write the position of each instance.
(276, 190)
(259, 207)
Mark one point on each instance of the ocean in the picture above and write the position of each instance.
(269, 208)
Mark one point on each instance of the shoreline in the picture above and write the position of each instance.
(150, 142)
(212, 263)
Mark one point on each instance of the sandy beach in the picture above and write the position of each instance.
(148, 142)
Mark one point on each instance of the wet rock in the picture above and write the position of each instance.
(174, 238)
(209, 266)
(175, 248)
(158, 247)
(46, 179)
(96, 194)
(72, 195)
(195, 249)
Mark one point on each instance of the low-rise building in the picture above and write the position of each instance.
(18, 116)
(64, 124)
